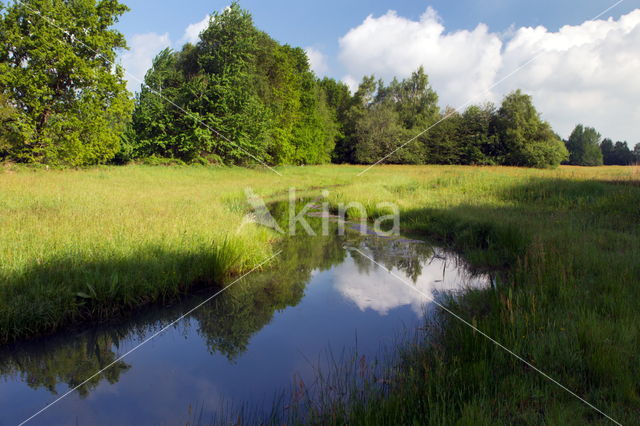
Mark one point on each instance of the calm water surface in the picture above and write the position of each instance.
(245, 346)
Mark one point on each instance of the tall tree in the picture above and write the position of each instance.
(584, 147)
(477, 139)
(361, 101)
(622, 155)
(524, 138)
(415, 100)
(387, 119)
(606, 147)
(7, 115)
(443, 142)
(57, 70)
(339, 100)
(241, 97)
(378, 134)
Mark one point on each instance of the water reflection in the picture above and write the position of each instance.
(226, 323)
(321, 291)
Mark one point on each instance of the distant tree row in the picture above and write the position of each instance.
(586, 148)
(237, 96)
(402, 123)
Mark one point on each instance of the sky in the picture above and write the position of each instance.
(577, 69)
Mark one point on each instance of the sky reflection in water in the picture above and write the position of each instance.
(244, 346)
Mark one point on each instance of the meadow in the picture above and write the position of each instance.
(79, 245)
(100, 243)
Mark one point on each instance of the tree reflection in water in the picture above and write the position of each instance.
(226, 324)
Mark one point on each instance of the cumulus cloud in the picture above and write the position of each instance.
(584, 73)
(460, 64)
(317, 61)
(136, 61)
(382, 292)
(192, 32)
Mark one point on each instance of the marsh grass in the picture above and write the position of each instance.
(567, 245)
(91, 245)
(80, 245)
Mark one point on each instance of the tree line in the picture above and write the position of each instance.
(238, 96)
(587, 148)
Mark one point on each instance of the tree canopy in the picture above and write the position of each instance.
(618, 153)
(237, 96)
(68, 101)
(524, 139)
(584, 147)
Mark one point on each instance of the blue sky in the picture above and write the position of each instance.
(586, 71)
(320, 24)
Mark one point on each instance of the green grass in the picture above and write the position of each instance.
(568, 245)
(94, 244)
(79, 245)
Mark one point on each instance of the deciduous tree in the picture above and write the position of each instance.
(584, 147)
(57, 70)
(524, 138)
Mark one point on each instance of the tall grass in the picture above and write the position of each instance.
(80, 245)
(96, 243)
(568, 245)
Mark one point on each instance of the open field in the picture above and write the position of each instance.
(95, 244)
(92, 244)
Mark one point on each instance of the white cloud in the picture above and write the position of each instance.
(459, 64)
(136, 61)
(585, 73)
(317, 61)
(380, 291)
(192, 32)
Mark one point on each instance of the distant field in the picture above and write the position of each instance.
(98, 243)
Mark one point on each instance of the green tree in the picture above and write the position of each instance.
(416, 102)
(378, 134)
(477, 140)
(584, 147)
(339, 100)
(636, 153)
(442, 142)
(606, 147)
(622, 155)
(57, 70)
(361, 101)
(7, 114)
(237, 96)
(524, 138)
(386, 121)
(226, 98)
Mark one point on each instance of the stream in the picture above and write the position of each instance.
(321, 300)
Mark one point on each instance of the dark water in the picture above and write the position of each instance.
(245, 346)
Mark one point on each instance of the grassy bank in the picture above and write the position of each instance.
(98, 243)
(79, 245)
(568, 242)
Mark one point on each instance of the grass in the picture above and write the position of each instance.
(79, 245)
(568, 245)
(94, 244)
